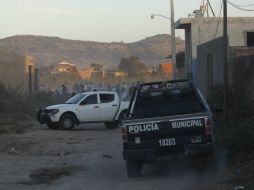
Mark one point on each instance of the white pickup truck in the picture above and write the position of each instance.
(88, 107)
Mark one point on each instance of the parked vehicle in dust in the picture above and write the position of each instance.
(164, 120)
(88, 107)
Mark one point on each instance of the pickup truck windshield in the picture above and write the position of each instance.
(75, 99)
(166, 103)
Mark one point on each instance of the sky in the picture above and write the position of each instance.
(99, 20)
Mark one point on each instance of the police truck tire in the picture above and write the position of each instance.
(133, 168)
(67, 122)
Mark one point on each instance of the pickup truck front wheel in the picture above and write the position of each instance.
(134, 168)
(53, 126)
(67, 121)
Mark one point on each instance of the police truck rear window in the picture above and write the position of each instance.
(166, 102)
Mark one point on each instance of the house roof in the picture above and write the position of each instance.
(183, 23)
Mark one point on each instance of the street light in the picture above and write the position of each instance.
(173, 44)
(154, 15)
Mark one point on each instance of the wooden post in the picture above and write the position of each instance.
(30, 79)
(36, 80)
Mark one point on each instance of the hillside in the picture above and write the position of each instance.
(52, 50)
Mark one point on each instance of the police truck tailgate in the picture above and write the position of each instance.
(169, 132)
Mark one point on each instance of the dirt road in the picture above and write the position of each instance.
(89, 157)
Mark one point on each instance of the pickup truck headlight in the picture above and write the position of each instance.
(52, 111)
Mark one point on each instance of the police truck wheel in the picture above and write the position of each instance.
(133, 168)
(67, 122)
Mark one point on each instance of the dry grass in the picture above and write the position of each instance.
(18, 111)
(238, 133)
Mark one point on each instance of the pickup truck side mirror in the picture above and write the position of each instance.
(84, 102)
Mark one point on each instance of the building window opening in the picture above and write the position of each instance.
(250, 39)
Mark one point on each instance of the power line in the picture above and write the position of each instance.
(241, 5)
(238, 7)
(218, 22)
(210, 22)
(211, 26)
(250, 5)
(211, 7)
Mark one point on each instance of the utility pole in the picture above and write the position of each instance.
(225, 37)
(173, 40)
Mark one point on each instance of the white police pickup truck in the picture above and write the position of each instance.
(88, 107)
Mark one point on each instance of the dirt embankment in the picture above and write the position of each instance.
(89, 157)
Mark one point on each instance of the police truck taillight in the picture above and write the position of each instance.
(208, 126)
(124, 134)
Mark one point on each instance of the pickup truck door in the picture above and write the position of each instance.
(109, 104)
(89, 109)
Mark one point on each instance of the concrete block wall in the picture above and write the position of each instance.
(201, 30)
(13, 71)
(213, 48)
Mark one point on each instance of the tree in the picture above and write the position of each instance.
(132, 66)
(96, 66)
